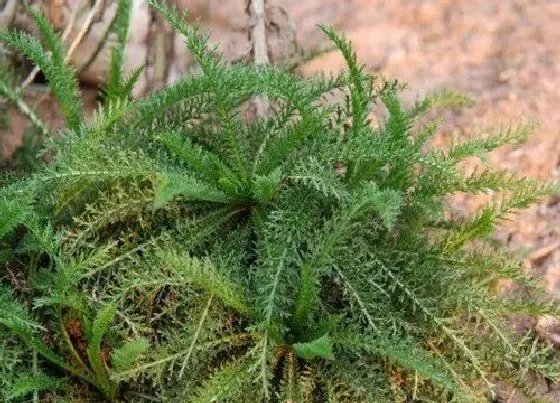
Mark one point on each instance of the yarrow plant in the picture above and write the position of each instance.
(179, 248)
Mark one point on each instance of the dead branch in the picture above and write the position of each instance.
(260, 46)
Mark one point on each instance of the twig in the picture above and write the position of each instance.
(101, 43)
(511, 396)
(9, 12)
(260, 47)
(545, 251)
(17, 99)
(85, 28)
(195, 337)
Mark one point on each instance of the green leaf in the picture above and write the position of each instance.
(196, 42)
(27, 384)
(202, 162)
(320, 177)
(130, 81)
(70, 299)
(101, 324)
(62, 78)
(360, 82)
(16, 318)
(441, 99)
(13, 212)
(13, 315)
(126, 355)
(203, 274)
(386, 202)
(403, 352)
(226, 383)
(185, 187)
(318, 348)
(499, 136)
(122, 19)
(265, 187)
(100, 327)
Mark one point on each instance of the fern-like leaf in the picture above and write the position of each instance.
(25, 385)
(62, 78)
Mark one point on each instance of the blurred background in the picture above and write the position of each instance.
(503, 53)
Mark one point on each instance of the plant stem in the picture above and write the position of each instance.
(69, 343)
(35, 393)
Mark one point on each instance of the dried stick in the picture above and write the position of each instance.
(9, 13)
(17, 100)
(260, 46)
(85, 28)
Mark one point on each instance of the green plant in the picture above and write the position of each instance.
(177, 248)
(24, 157)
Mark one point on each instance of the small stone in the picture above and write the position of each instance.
(548, 329)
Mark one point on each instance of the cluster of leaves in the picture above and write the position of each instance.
(179, 248)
